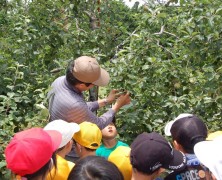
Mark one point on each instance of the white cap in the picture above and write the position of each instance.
(169, 124)
(209, 153)
(66, 129)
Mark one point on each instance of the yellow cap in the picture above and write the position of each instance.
(89, 136)
(121, 158)
(213, 135)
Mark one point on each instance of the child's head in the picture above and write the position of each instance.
(121, 158)
(30, 151)
(188, 131)
(109, 132)
(67, 129)
(95, 167)
(151, 153)
(89, 135)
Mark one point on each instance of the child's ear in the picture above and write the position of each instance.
(160, 171)
(177, 146)
(79, 147)
(69, 144)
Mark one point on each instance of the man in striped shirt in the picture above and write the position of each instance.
(66, 100)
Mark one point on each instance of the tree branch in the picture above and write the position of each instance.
(121, 44)
(163, 31)
(158, 44)
(77, 26)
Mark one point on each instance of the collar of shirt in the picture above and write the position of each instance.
(71, 87)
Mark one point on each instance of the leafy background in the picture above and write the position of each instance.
(168, 56)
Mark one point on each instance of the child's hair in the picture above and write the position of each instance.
(188, 131)
(95, 167)
(114, 121)
(43, 171)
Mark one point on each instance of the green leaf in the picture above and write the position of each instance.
(2, 164)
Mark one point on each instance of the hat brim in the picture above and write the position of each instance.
(209, 153)
(65, 128)
(56, 138)
(103, 79)
(73, 128)
(169, 124)
(178, 162)
(168, 127)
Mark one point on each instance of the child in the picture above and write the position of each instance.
(187, 131)
(121, 158)
(109, 141)
(151, 154)
(63, 166)
(30, 153)
(87, 140)
(94, 167)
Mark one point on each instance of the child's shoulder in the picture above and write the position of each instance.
(120, 143)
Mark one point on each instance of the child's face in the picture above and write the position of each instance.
(109, 132)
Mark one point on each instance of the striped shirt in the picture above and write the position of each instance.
(67, 103)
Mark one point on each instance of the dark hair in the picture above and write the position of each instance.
(95, 168)
(43, 171)
(71, 78)
(188, 131)
(114, 121)
(88, 149)
(60, 149)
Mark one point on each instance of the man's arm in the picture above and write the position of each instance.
(80, 112)
(93, 106)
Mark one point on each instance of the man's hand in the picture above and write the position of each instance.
(123, 99)
(121, 96)
(112, 96)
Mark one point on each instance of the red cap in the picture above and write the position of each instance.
(30, 150)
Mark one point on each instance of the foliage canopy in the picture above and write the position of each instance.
(168, 57)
